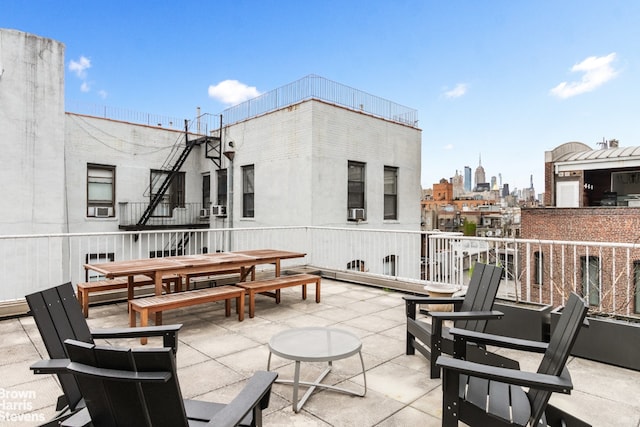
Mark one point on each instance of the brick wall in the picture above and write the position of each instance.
(563, 266)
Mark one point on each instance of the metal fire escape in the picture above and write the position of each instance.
(213, 152)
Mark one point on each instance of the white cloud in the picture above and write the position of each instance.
(103, 94)
(85, 87)
(597, 71)
(80, 66)
(448, 147)
(458, 91)
(232, 92)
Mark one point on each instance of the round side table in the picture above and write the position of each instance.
(315, 344)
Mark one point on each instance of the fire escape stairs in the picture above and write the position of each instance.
(213, 152)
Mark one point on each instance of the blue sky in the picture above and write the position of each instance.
(503, 79)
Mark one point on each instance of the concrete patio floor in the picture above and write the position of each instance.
(216, 355)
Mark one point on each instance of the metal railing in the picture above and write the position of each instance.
(165, 214)
(536, 271)
(316, 87)
(203, 124)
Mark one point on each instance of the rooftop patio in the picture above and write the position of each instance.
(217, 354)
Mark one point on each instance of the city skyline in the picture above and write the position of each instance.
(510, 79)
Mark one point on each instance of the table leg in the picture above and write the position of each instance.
(296, 380)
(158, 285)
(130, 286)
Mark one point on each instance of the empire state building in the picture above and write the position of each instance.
(480, 176)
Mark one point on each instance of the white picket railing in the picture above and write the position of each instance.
(607, 274)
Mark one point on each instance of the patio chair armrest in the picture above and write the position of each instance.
(499, 340)
(433, 300)
(168, 332)
(255, 392)
(50, 366)
(411, 303)
(467, 315)
(560, 384)
(118, 375)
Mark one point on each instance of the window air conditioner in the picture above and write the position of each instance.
(204, 213)
(356, 214)
(101, 212)
(219, 210)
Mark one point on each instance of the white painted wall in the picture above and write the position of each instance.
(300, 155)
(31, 134)
(134, 150)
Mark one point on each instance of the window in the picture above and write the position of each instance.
(94, 276)
(636, 283)
(173, 197)
(206, 191)
(538, 266)
(590, 279)
(355, 265)
(355, 186)
(221, 194)
(389, 265)
(247, 191)
(390, 192)
(101, 190)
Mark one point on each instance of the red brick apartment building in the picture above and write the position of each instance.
(591, 196)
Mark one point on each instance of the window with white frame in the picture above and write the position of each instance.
(173, 197)
(390, 192)
(96, 258)
(206, 191)
(355, 190)
(248, 191)
(636, 287)
(538, 265)
(221, 194)
(101, 181)
(590, 275)
(389, 265)
(355, 265)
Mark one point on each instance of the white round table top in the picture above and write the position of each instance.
(314, 344)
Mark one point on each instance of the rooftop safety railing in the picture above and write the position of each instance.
(309, 87)
(316, 87)
(536, 271)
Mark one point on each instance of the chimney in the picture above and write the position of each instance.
(613, 143)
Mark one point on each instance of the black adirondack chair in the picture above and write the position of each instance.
(139, 387)
(58, 316)
(481, 395)
(470, 312)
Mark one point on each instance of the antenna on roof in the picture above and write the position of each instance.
(602, 144)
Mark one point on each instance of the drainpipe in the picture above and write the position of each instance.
(230, 154)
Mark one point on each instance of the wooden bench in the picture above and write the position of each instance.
(160, 303)
(86, 288)
(265, 286)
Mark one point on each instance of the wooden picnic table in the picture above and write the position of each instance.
(243, 262)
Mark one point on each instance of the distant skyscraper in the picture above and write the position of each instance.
(480, 176)
(494, 183)
(467, 179)
(505, 190)
(458, 185)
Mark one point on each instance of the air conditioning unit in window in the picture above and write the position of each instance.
(204, 213)
(356, 214)
(219, 210)
(101, 212)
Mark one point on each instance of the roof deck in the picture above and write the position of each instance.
(217, 354)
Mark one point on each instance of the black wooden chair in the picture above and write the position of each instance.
(471, 312)
(58, 316)
(139, 387)
(481, 395)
